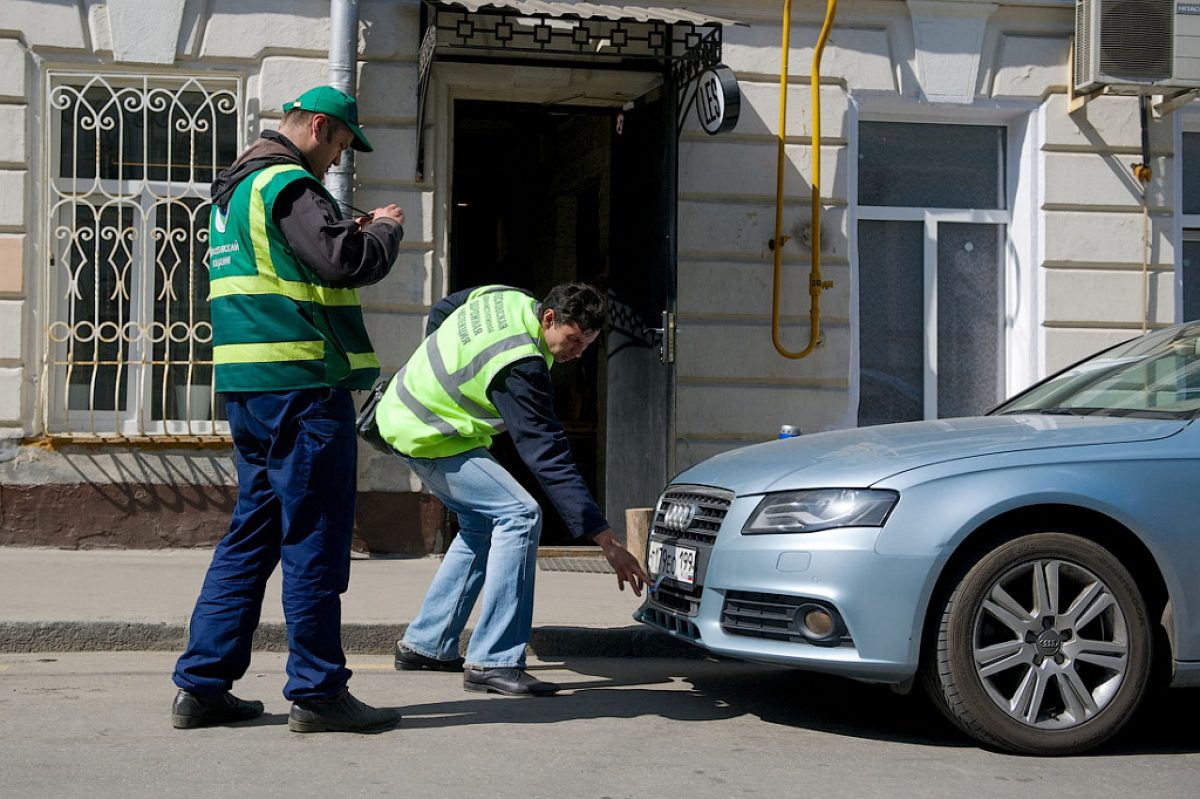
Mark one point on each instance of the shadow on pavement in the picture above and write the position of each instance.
(265, 720)
(708, 690)
(721, 689)
(1163, 726)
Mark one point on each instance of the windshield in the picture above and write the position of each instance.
(1156, 376)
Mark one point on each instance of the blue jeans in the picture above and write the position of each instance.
(296, 464)
(495, 551)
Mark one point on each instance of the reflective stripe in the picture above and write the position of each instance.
(440, 406)
(452, 383)
(267, 281)
(423, 414)
(269, 352)
(504, 345)
(363, 360)
(266, 302)
(272, 284)
(259, 239)
(452, 387)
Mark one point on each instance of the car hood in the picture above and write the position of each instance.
(866, 455)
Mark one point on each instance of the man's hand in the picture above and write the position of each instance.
(389, 211)
(623, 562)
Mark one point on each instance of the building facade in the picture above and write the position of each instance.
(979, 228)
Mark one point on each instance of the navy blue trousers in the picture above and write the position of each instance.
(296, 462)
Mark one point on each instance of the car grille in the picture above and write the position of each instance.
(764, 616)
(691, 516)
(710, 504)
(670, 622)
(676, 599)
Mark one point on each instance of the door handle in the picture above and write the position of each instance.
(666, 338)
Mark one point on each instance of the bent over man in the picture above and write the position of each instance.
(288, 347)
(484, 367)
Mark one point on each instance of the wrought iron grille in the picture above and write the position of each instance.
(128, 349)
(601, 39)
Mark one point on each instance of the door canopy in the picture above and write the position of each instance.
(677, 43)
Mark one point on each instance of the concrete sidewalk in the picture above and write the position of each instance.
(88, 600)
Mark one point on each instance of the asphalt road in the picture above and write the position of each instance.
(97, 725)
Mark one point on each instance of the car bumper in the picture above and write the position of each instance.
(750, 588)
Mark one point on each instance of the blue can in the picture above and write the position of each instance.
(789, 431)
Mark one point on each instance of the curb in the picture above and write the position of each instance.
(362, 639)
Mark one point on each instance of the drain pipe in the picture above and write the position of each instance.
(815, 283)
(343, 58)
(1143, 174)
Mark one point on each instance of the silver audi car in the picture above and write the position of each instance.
(1035, 569)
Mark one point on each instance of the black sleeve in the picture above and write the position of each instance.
(443, 308)
(524, 396)
(335, 248)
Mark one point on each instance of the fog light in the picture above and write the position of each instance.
(819, 624)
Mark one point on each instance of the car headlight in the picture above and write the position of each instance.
(820, 509)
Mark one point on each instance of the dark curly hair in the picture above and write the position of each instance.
(579, 304)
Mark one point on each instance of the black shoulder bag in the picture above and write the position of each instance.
(365, 424)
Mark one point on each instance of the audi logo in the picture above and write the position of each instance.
(679, 517)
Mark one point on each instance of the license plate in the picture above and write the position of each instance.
(678, 563)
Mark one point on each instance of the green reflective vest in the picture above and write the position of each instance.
(277, 326)
(437, 405)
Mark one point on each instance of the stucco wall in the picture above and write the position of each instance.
(278, 49)
(1097, 232)
(15, 152)
(1083, 238)
(1080, 254)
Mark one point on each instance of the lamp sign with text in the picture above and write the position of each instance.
(718, 99)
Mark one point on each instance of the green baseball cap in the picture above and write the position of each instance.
(337, 104)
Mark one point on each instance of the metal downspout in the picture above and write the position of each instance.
(343, 59)
(815, 284)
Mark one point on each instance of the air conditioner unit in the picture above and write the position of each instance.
(1136, 46)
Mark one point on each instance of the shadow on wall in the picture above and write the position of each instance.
(80, 498)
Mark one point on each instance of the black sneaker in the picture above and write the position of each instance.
(341, 713)
(408, 660)
(197, 710)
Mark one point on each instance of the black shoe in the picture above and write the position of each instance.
(510, 682)
(341, 713)
(197, 710)
(408, 660)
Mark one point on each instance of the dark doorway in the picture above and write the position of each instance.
(542, 195)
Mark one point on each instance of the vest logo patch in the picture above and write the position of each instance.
(218, 257)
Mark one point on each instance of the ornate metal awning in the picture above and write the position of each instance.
(676, 42)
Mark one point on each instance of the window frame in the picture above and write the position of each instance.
(147, 197)
(930, 218)
(1186, 226)
(1021, 356)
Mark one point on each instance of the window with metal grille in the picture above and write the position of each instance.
(128, 339)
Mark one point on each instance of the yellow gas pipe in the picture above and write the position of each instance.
(815, 284)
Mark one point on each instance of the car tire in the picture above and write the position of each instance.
(1044, 646)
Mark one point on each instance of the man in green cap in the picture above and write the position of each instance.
(289, 345)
